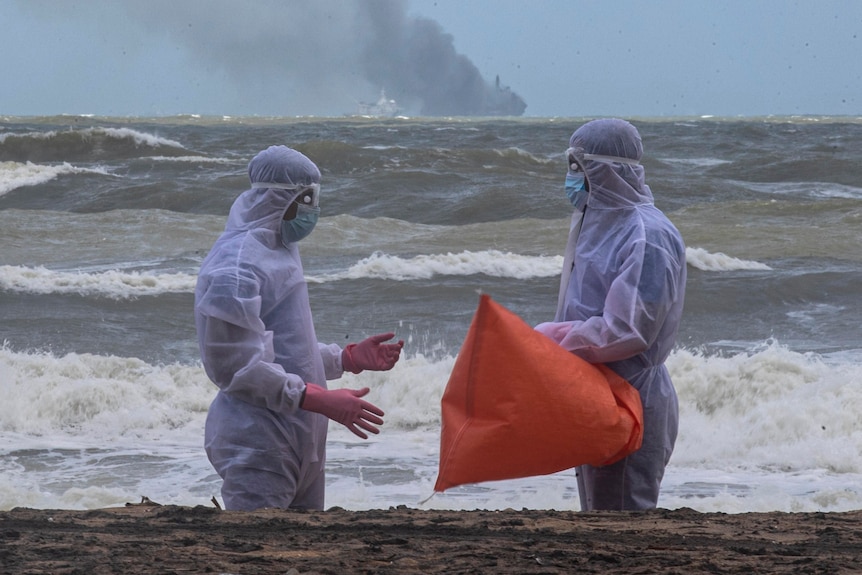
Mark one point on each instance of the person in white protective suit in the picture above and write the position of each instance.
(266, 428)
(621, 300)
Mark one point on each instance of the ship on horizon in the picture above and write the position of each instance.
(384, 107)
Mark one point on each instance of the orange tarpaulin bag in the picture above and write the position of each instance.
(517, 405)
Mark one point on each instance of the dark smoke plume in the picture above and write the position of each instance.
(304, 57)
(415, 60)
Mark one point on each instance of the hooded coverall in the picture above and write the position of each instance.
(258, 345)
(622, 306)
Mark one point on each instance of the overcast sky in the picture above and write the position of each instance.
(320, 57)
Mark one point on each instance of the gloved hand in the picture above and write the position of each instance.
(371, 353)
(343, 406)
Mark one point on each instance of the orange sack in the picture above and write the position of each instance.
(518, 405)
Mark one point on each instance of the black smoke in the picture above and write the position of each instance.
(415, 60)
(301, 57)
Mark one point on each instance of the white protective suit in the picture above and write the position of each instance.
(621, 301)
(258, 345)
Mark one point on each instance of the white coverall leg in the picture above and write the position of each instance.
(633, 482)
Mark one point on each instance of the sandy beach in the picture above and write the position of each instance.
(140, 539)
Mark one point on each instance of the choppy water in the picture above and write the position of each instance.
(104, 222)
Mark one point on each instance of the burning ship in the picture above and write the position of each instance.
(383, 107)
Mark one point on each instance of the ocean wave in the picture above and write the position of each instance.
(87, 144)
(696, 162)
(140, 138)
(521, 154)
(769, 406)
(112, 284)
(97, 396)
(115, 284)
(813, 191)
(339, 155)
(193, 159)
(85, 431)
(14, 175)
(491, 262)
(703, 260)
(92, 395)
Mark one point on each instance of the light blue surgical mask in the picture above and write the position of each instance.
(575, 190)
(299, 227)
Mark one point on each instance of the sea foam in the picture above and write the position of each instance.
(489, 262)
(767, 429)
(123, 284)
(14, 175)
(138, 137)
(703, 260)
(112, 284)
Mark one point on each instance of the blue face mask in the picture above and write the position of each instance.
(300, 226)
(575, 190)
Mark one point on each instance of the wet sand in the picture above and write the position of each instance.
(169, 539)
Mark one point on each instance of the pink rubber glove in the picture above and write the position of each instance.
(343, 406)
(372, 354)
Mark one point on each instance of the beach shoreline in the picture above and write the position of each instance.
(140, 539)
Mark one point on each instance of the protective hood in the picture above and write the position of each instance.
(612, 184)
(263, 207)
